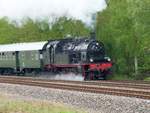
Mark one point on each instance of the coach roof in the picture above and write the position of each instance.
(22, 46)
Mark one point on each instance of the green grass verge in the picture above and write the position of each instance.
(120, 77)
(128, 77)
(147, 79)
(8, 105)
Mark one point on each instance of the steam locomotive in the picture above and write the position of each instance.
(77, 55)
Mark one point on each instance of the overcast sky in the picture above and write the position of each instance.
(78, 9)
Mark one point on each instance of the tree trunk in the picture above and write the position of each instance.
(136, 65)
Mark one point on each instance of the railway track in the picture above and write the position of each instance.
(120, 88)
(111, 83)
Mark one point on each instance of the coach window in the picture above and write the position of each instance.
(3, 56)
(13, 53)
(31, 55)
(36, 56)
(8, 56)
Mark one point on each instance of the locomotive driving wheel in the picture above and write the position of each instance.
(90, 75)
(87, 76)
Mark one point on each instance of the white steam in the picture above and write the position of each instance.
(68, 76)
(78, 9)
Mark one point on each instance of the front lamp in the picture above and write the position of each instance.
(91, 59)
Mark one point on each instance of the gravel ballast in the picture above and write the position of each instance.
(92, 103)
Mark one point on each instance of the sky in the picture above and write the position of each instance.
(77, 9)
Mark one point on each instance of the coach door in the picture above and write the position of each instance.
(17, 61)
(51, 52)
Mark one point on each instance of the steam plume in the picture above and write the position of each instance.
(77, 9)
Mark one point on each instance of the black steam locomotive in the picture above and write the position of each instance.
(78, 55)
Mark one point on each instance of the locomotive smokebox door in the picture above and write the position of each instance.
(83, 56)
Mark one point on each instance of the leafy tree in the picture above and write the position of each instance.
(123, 27)
(37, 30)
(7, 31)
(138, 11)
(64, 26)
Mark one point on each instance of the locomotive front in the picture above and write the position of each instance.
(98, 65)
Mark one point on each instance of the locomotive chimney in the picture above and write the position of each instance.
(93, 35)
(93, 32)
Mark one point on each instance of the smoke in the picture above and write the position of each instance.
(68, 76)
(77, 9)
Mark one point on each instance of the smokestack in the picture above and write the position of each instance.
(93, 32)
(93, 35)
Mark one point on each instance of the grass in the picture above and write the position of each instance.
(8, 105)
(147, 79)
(120, 77)
(129, 77)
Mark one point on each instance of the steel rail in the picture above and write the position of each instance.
(144, 94)
(131, 84)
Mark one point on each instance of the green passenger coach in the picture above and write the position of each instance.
(22, 57)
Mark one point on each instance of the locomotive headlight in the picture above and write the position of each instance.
(108, 59)
(91, 60)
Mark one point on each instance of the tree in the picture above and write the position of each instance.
(64, 26)
(139, 12)
(37, 30)
(7, 31)
(123, 27)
